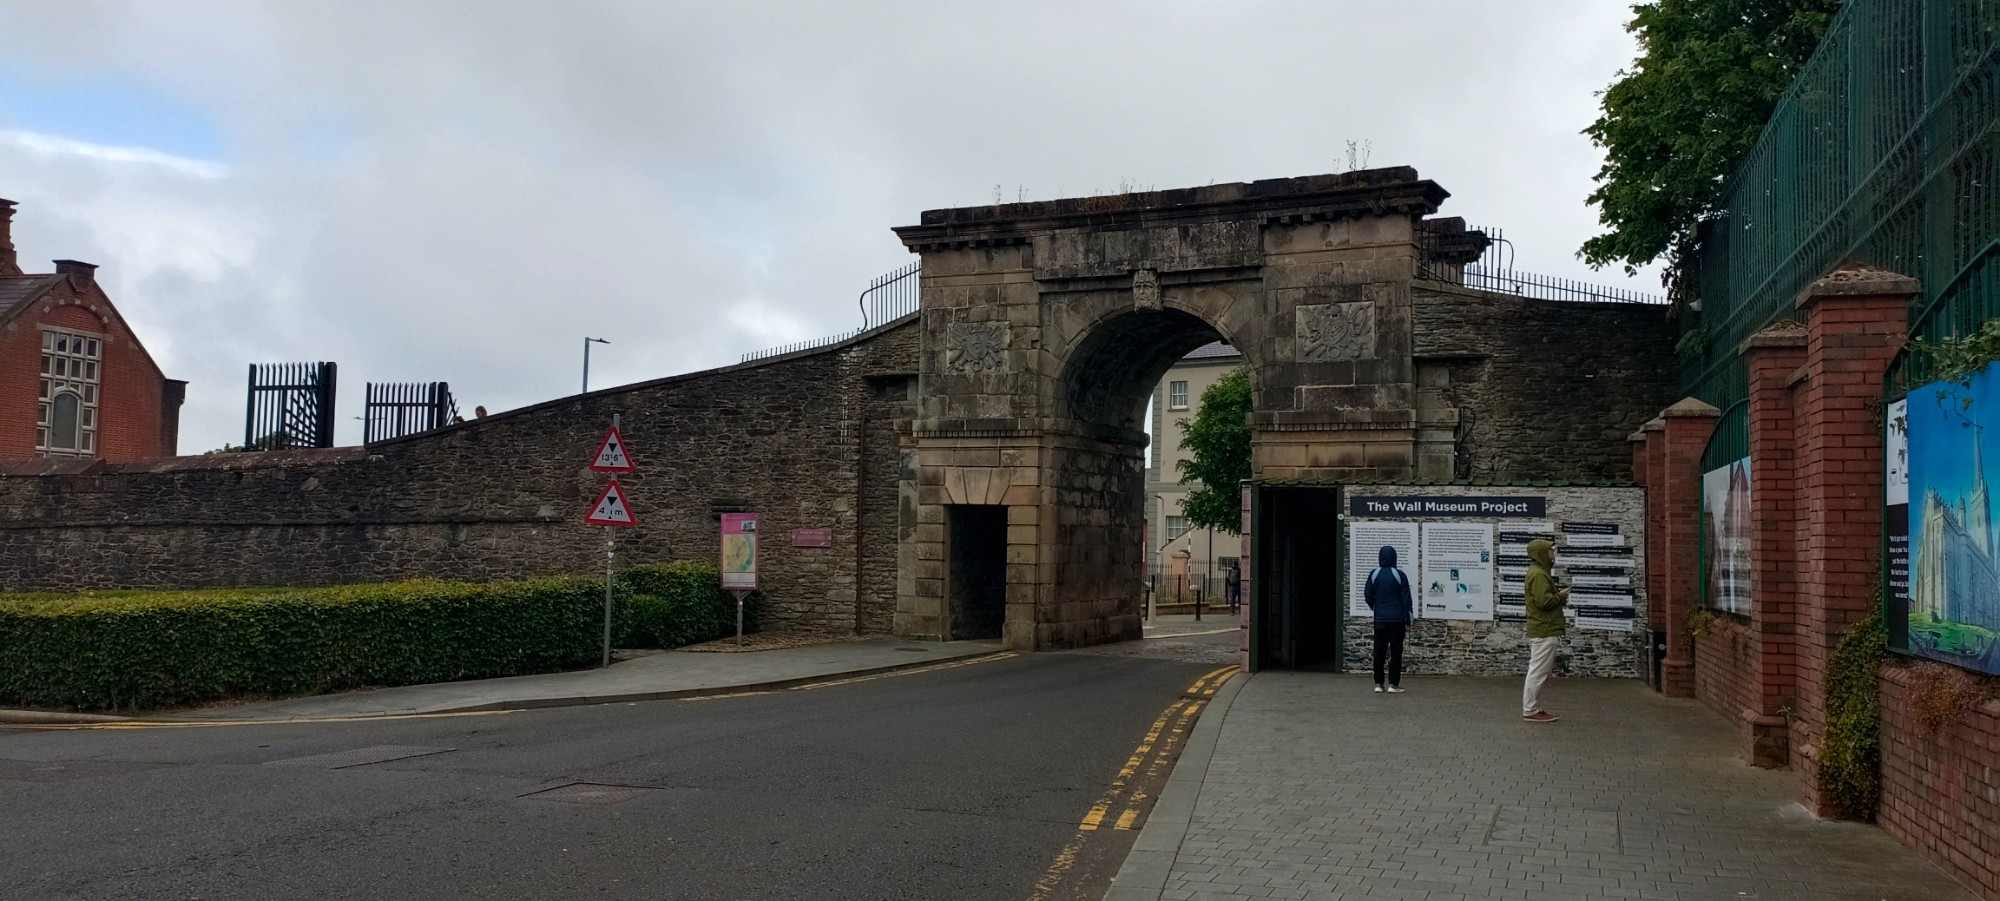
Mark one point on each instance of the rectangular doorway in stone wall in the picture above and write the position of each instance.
(1295, 607)
(976, 543)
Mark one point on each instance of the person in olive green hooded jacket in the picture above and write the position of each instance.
(1545, 626)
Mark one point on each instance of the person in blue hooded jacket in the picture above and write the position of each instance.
(1387, 592)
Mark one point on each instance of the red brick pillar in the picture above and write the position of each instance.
(1645, 460)
(1656, 525)
(1855, 319)
(1687, 425)
(1773, 357)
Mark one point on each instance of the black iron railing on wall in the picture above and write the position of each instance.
(290, 406)
(396, 409)
(888, 298)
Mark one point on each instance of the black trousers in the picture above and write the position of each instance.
(1389, 644)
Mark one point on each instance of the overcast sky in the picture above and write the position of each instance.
(461, 191)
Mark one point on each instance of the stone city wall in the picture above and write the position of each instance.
(1495, 648)
(808, 440)
(1543, 389)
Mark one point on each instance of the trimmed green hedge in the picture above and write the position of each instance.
(675, 604)
(138, 649)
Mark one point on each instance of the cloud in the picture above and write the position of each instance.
(462, 191)
(52, 146)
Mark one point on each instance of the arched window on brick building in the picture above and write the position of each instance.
(67, 420)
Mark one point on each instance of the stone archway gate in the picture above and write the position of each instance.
(1046, 325)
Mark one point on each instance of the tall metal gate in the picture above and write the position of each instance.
(396, 409)
(290, 405)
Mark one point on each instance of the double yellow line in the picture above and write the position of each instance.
(1159, 745)
(1162, 738)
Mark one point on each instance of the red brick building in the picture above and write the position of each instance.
(74, 380)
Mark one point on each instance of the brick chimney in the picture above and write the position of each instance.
(81, 274)
(8, 265)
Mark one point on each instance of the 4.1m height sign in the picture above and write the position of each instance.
(610, 509)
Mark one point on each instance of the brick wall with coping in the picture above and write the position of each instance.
(1815, 435)
(1941, 790)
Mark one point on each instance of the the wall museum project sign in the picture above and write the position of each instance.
(1472, 507)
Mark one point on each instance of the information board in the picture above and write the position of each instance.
(1365, 540)
(1457, 571)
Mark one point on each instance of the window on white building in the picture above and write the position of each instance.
(1175, 526)
(66, 415)
(1176, 395)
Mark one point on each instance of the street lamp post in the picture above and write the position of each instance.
(586, 360)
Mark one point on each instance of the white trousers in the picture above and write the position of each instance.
(1541, 659)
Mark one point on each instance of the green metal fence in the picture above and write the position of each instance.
(1884, 151)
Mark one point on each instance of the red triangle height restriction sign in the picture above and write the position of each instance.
(611, 509)
(611, 455)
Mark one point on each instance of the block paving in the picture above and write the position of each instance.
(1320, 789)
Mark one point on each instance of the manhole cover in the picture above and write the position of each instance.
(360, 756)
(590, 793)
(1554, 827)
(918, 650)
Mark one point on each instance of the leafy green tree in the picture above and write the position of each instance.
(1218, 438)
(1675, 125)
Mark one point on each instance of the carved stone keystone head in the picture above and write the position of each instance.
(1145, 290)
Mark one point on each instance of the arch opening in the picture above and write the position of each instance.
(1112, 372)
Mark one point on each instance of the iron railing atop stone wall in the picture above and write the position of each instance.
(1478, 256)
(290, 406)
(396, 409)
(1884, 151)
(1545, 287)
(888, 298)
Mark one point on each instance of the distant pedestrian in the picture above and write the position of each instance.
(1232, 585)
(1387, 592)
(1545, 626)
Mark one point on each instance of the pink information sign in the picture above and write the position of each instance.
(739, 551)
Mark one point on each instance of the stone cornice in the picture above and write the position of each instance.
(1313, 198)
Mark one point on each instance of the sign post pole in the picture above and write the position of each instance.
(739, 617)
(610, 552)
(611, 510)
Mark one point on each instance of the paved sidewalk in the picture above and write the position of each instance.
(1316, 788)
(663, 675)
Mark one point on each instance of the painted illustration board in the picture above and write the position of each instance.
(739, 551)
(1952, 613)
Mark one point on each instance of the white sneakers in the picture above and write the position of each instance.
(1394, 690)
